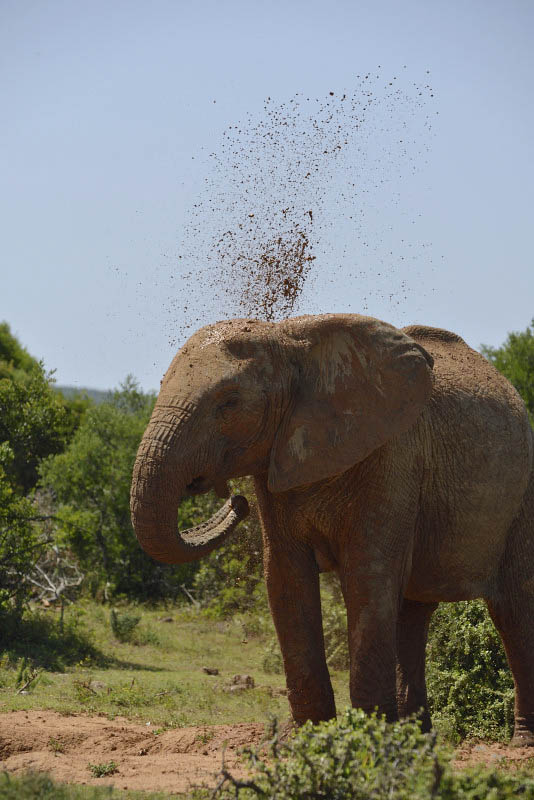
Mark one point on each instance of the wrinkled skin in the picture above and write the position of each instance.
(399, 459)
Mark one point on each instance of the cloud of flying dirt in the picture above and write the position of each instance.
(300, 196)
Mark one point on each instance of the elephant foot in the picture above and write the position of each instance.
(522, 738)
(322, 709)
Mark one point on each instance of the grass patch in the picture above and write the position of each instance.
(38, 786)
(155, 677)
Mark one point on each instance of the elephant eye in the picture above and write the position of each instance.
(229, 404)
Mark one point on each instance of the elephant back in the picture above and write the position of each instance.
(471, 391)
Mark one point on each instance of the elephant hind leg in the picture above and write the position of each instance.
(512, 609)
(516, 627)
(412, 634)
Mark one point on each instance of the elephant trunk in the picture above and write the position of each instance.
(158, 485)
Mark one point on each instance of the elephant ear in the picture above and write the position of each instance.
(359, 383)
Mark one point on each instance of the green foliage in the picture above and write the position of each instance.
(230, 579)
(76, 404)
(90, 481)
(336, 642)
(470, 686)
(32, 423)
(36, 786)
(20, 542)
(354, 756)
(103, 769)
(357, 757)
(40, 640)
(515, 359)
(13, 356)
(123, 625)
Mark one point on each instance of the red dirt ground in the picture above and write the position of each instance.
(171, 761)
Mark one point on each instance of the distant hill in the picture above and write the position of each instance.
(98, 395)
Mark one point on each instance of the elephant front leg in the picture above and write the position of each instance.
(372, 626)
(292, 579)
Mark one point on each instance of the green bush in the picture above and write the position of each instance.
(354, 756)
(123, 625)
(470, 686)
(359, 757)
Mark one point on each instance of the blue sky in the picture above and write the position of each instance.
(107, 113)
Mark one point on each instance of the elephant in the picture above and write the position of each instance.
(400, 459)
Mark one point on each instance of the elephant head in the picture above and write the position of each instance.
(300, 400)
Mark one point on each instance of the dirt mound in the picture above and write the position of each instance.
(146, 759)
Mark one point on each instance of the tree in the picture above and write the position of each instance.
(35, 420)
(33, 424)
(20, 543)
(90, 482)
(13, 356)
(515, 359)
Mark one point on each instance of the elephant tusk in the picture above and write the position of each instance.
(222, 523)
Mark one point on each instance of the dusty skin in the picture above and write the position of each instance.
(171, 761)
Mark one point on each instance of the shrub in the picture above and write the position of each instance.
(123, 625)
(336, 642)
(355, 756)
(103, 770)
(32, 421)
(358, 757)
(470, 686)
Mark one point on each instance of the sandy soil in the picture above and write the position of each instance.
(172, 761)
(489, 754)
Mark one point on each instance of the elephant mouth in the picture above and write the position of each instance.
(203, 484)
(199, 485)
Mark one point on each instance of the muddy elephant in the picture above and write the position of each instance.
(400, 459)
